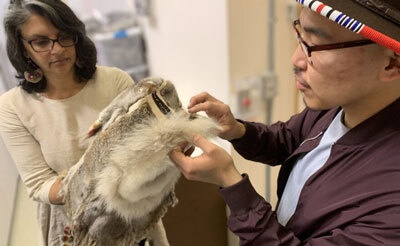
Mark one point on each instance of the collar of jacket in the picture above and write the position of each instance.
(377, 126)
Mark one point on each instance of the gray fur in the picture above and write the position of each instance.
(124, 183)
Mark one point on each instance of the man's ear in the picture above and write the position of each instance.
(392, 70)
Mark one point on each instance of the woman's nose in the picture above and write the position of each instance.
(56, 47)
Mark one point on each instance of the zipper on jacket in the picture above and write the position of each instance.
(313, 138)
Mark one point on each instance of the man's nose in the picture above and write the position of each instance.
(299, 59)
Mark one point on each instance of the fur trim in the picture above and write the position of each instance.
(139, 174)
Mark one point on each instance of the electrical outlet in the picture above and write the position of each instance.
(250, 93)
(247, 97)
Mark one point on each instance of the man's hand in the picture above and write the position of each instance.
(214, 165)
(231, 128)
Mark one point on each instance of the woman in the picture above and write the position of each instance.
(44, 121)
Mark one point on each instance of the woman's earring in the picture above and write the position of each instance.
(34, 74)
(34, 77)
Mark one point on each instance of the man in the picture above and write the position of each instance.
(339, 179)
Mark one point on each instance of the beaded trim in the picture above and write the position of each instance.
(351, 24)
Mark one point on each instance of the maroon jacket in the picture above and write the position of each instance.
(354, 199)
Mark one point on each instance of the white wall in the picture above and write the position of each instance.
(7, 71)
(8, 172)
(86, 8)
(24, 230)
(248, 29)
(8, 186)
(187, 43)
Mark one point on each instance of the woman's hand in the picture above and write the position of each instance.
(215, 165)
(231, 128)
(54, 196)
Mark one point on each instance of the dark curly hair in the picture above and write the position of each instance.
(64, 19)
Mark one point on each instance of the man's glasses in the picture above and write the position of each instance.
(308, 49)
(46, 44)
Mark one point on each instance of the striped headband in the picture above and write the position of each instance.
(352, 24)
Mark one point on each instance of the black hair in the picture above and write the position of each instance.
(64, 19)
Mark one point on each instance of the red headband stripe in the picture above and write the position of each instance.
(320, 8)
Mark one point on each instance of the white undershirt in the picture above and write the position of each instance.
(306, 166)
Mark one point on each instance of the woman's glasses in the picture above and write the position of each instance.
(46, 44)
(308, 49)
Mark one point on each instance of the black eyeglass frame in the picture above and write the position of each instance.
(75, 39)
(308, 49)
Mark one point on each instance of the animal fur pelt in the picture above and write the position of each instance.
(124, 183)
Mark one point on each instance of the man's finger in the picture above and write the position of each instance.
(202, 143)
(199, 98)
(209, 107)
(198, 107)
(178, 157)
